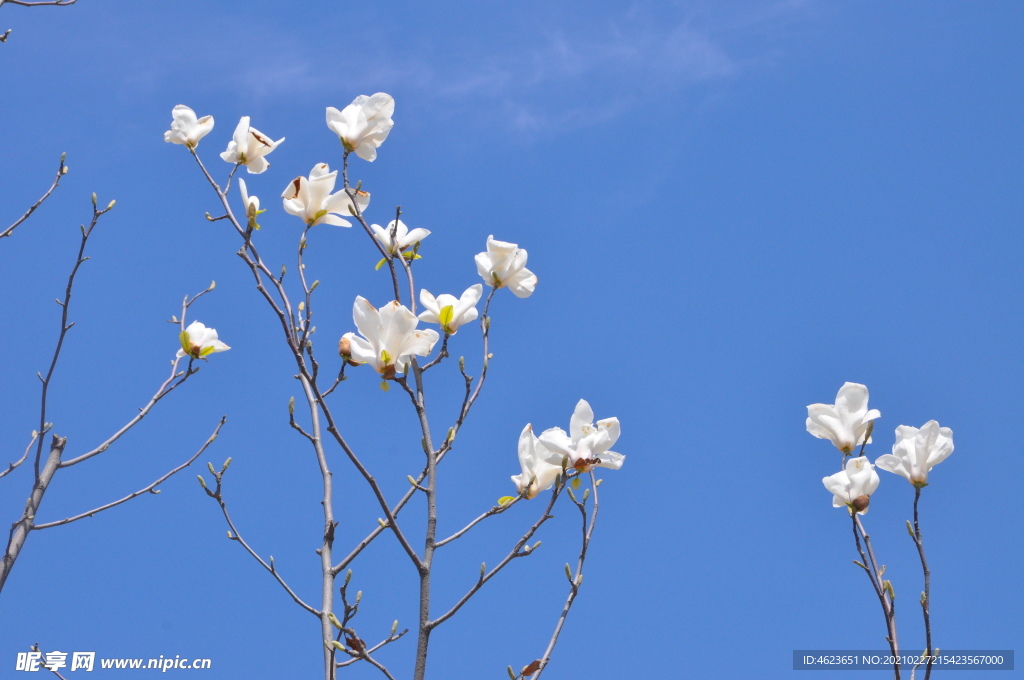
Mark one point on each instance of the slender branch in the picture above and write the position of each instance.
(356, 648)
(882, 589)
(517, 551)
(469, 399)
(327, 583)
(496, 510)
(358, 214)
(24, 456)
(64, 325)
(371, 650)
(234, 535)
(926, 596)
(576, 581)
(390, 522)
(150, 488)
(256, 265)
(173, 381)
(38, 3)
(61, 171)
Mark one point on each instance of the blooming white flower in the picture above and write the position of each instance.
(312, 200)
(199, 342)
(449, 312)
(853, 486)
(364, 124)
(541, 467)
(248, 146)
(185, 128)
(587, 444)
(390, 338)
(403, 237)
(847, 421)
(504, 264)
(252, 205)
(917, 451)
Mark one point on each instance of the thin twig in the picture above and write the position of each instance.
(61, 171)
(64, 326)
(926, 596)
(38, 3)
(496, 510)
(24, 456)
(173, 381)
(576, 581)
(884, 594)
(147, 489)
(217, 495)
(517, 551)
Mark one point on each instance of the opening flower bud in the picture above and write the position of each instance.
(860, 503)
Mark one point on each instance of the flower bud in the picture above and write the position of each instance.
(860, 503)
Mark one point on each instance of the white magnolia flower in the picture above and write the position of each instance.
(199, 342)
(917, 451)
(540, 466)
(449, 312)
(248, 147)
(587, 444)
(847, 421)
(185, 128)
(389, 337)
(504, 264)
(252, 205)
(364, 124)
(312, 200)
(853, 486)
(403, 237)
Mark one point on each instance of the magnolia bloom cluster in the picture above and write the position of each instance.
(917, 451)
(586, 446)
(448, 311)
(848, 424)
(251, 203)
(847, 421)
(504, 265)
(389, 339)
(311, 199)
(186, 128)
(853, 486)
(199, 342)
(403, 236)
(248, 147)
(363, 125)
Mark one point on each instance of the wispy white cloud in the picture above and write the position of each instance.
(566, 72)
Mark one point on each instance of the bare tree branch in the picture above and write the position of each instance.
(234, 535)
(61, 171)
(24, 456)
(147, 489)
(517, 551)
(21, 528)
(174, 380)
(575, 581)
(64, 325)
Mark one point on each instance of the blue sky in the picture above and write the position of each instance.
(733, 208)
